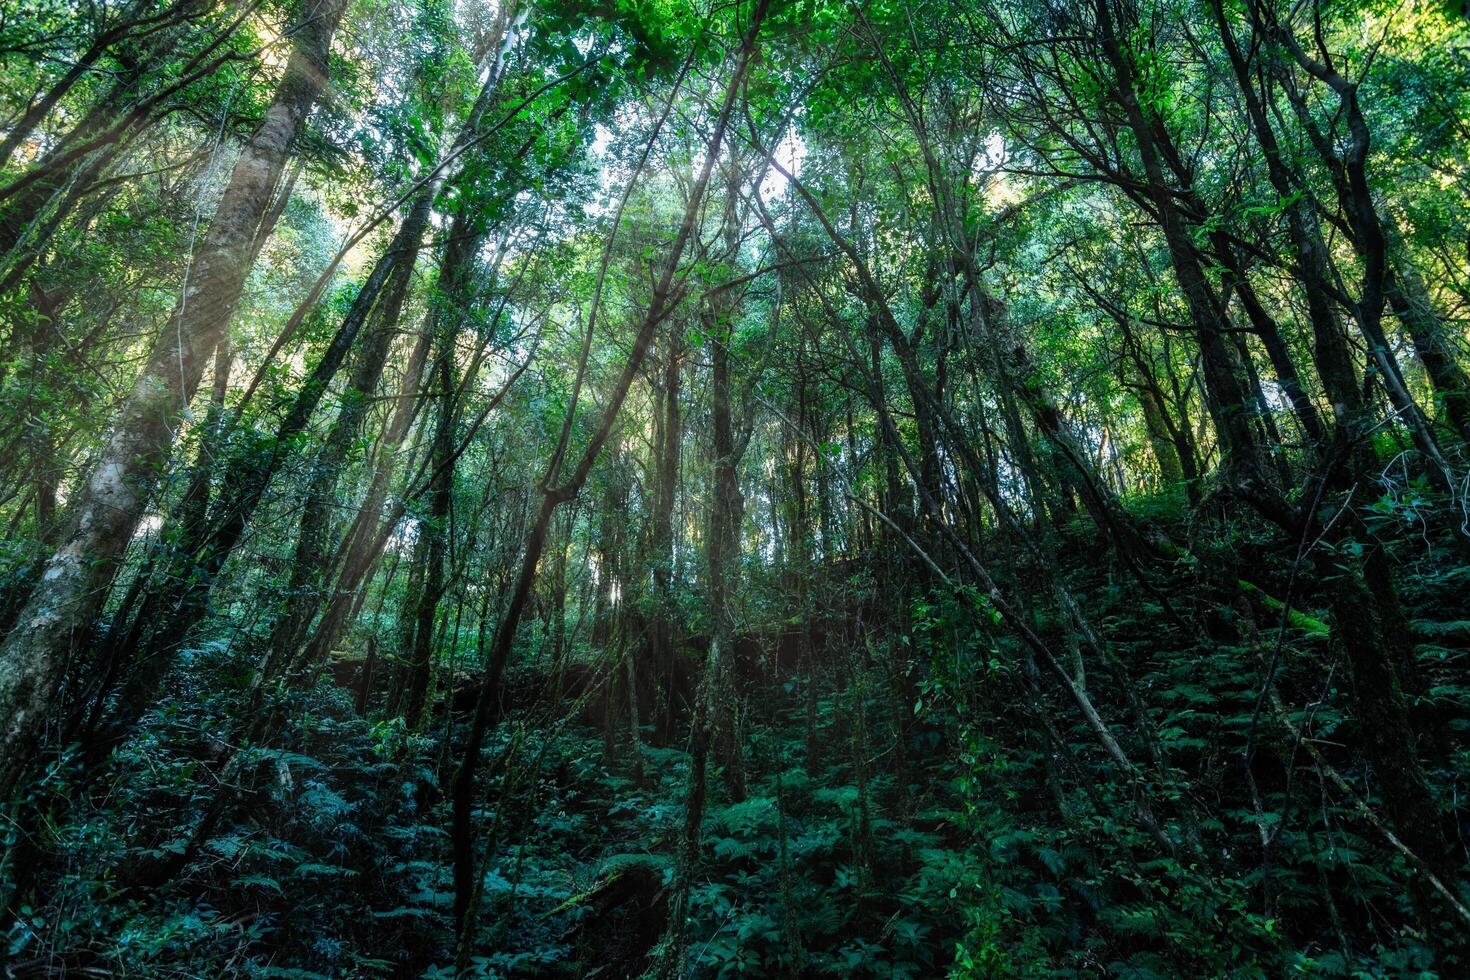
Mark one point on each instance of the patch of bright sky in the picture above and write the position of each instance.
(1000, 192)
(789, 153)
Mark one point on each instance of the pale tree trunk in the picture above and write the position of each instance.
(74, 584)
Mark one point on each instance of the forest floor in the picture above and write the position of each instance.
(857, 836)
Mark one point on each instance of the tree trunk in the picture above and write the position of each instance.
(310, 562)
(56, 620)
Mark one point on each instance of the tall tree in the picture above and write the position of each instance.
(75, 581)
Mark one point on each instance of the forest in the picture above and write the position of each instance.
(735, 488)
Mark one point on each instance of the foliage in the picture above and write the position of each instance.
(762, 489)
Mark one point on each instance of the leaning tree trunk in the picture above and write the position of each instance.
(251, 470)
(181, 598)
(60, 613)
(309, 563)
